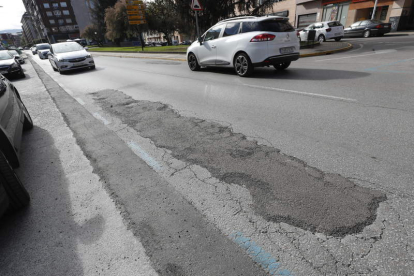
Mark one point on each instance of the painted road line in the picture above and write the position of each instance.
(259, 255)
(102, 119)
(144, 156)
(370, 54)
(303, 93)
(80, 101)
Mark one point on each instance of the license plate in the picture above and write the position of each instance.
(386, 26)
(287, 50)
(337, 34)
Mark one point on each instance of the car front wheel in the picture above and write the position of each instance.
(193, 63)
(242, 65)
(17, 193)
(367, 34)
(321, 38)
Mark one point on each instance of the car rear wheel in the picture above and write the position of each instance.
(321, 38)
(193, 63)
(366, 34)
(242, 65)
(338, 38)
(282, 66)
(17, 193)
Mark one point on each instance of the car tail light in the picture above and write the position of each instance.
(263, 37)
(329, 29)
(379, 26)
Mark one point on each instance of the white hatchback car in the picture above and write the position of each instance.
(244, 43)
(324, 30)
(67, 56)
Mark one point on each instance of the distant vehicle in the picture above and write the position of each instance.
(186, 42)
(245, 43)
(324, 31)
(16, 56)
(67, 56)
(34, 50)
(9, 66)
(13, 195)
(81, 41)
(367, 28)
(42, 50)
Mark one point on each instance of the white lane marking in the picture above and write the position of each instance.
(80, 101)
(102, 119)
(302, 93)
(373, 53)
(144, 156)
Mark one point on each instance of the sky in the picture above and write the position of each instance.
(11, 14)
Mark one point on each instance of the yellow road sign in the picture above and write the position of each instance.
(140, 12)
(137, 22)
(132, 17)
(135, 7)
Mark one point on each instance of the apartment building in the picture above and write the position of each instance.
(82, 10)
(55, 19)
(30, 31)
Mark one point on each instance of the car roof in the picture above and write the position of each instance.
(252, 19)
(42, 44)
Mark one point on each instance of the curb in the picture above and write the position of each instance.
(350, 46)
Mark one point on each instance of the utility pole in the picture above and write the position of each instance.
(375, 8)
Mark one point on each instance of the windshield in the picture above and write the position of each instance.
(66, 47)
(5, 55)
(13, 52)
(43, 47)
(267, 26)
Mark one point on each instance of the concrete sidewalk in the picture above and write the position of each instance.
(322, 49)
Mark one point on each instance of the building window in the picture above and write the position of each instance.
(46, 5)
(63, 4)
(65, 12)
(49, 13)
(55, 5)
(57, 12)
(61, 21)
(55, 29)
(51, 21)
(68, 20)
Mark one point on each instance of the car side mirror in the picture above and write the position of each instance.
(49, 54)
(200, 39)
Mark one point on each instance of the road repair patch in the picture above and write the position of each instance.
(283, 188)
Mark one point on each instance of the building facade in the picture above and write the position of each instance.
(30, 32)
(55, 19)
(82, 10)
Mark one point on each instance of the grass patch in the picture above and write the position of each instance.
(178, 49)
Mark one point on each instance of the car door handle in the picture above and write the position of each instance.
(213, 46)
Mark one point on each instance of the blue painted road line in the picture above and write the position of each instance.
(264, 259)
(144, 156)
(102, 119)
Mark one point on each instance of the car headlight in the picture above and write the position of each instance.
(15, 65)
(88, 56)
(63, 60)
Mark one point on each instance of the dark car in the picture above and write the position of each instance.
(9, 66)
(17, 55)
(14, 119)
(367, 28)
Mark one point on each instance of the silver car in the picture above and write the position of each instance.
(67, 56)
(42, 50)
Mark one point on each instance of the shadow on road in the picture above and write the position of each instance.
(294, 73)
(42, 239)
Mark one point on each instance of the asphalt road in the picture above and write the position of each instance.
(325, 190)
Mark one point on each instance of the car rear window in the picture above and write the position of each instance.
(334, 24)
(276, 26)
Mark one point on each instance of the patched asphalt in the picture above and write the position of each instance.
(284, 189)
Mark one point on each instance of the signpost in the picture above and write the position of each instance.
(196, 6)
(136, 15)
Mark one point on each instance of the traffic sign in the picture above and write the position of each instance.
(135, 12)
(196, 5)
(132, 17)
(137, 22)
(134, 2)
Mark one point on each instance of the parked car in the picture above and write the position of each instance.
(13, 195)
(367, 28)
(245, 43)
(17, 56)
(324, 31)
(67, 56)
(34, 50)
(9, 66)
(42, 50)
(186, 42)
